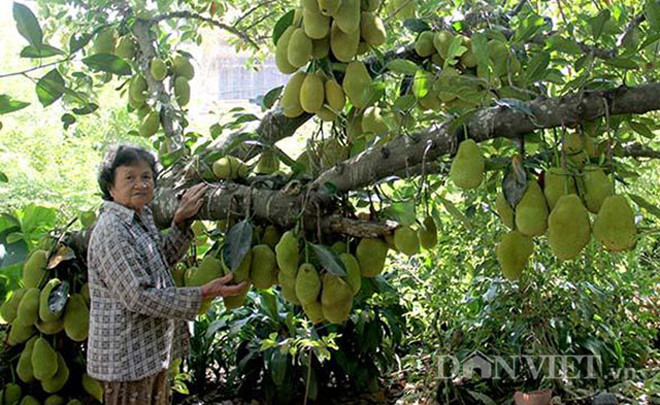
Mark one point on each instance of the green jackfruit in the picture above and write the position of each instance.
(44, 310)
(105, 41)
(178, 276)
(406, 240)
(504, 210)
(76, 318)
(424, 44)
(312, 93)
(268, 162)
(11, 394)
(353, 276)
(137, 88)
(281, 52)
(181, 66)
(468, 59)
(188, 275)
(372, 29)
(288, 283)
(372, 121)
(92, 387)
(614, 226)
(315, 24)
(499, 55)
(57, 381)
(299, 50)
(263, 270)
(344, 45)
(371, 254)
(20, 332)
(467, 168)
(336, 299)
(28, 308)
(320, 48)
(308, 284)
(532, 211)
(290, 100)
(314, 311)
(150, 124)
(557, 183)
(34, 269)
(431, 101)
(329, 7)
(512, 254)
(209, 269)
(50, 328)
(24, 366)
(181, 91)
(29, 400)
(44, 360)
(339, 247)
(271, 236)
(54, 400)
(428, 233)
(286, 253)
(441, 42)
(334, 95)
(569, 229)
(74, 402)
(126, 48)
(348, 16)
(229, 167)
(597, 187)
(9, 308)
(158, 69)
(357, 84)
(369, 5)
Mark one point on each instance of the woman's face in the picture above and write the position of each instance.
(133, 186)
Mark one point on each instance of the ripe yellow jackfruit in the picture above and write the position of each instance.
(557, 183)
(44, 311)
(34, 269)
(286, 253)
(181, 91)
(329, 7)
(353, 276)
(406, 241)
(441, 42)
(308, 284)
(532, 211)
(282, 52)
(336, 299)
(181, 66)
(314, 311)
(344, 45)
(290, 101)
(372, 29)
(334, 95)
(371, 254)
(357, 84)
(467, 168)
(137, 88)
(312, 93)
(150, 124)
(315, 24)
(126, 48)
(597, 187)
(263, 271)
(615, 224)
(76, 318)
(424, 44)
(504, 210)
(28, 308)
(428, 233)
(93, 387)
(44, 360)
(105, 41)
(50, 328)
(20, 332)
(24, 366)
(299, 51)
(320, 48)
(569, 229)
(229, 168)
(9, 308)
(158, 69)
(512, 254)
(348, 16)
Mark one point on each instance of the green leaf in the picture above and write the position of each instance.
(50, 88)
(402, 66)
(40, 51)
(11, 253)
(648, 41)
(238, 242)
(421, 83)
(652, 13)
(14, 237)
(8, 105)
(405, 102)
(78, 41)
(416, 25)
(455, 212)
(480, 49)
(564, 45)
(278, 365)
(641, 129)
(401, 212)
(454, 51)
(643, 203)
(329, 260)
(598, 23)
(3, 178)
(281, 25)
(37, 218)
(27, 24)
(538, 66)
(272, 96)
(87, 109)
(624, 63)
(106, 62)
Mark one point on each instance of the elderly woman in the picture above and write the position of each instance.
(137, 317)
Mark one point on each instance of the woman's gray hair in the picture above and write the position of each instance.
(120, 155)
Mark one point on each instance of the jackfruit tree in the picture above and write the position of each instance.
(549, 108)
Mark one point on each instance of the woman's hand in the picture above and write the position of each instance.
(190, 204)
(219, 287)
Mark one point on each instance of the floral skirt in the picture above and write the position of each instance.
(152, 390)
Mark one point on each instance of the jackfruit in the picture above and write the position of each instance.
(74, 402)
(557, 183)
(441, 42)
(424, 44)
(268, 162)
(320, 48)
(188, 275)
(24, 366)
(353, 276)
(370, 5)
(569, 229)
(19, 332)
(428, 233)
(44, 360)
(290, 101)
(348, 16)
(339, 247)
(297, 17)
(499, 55)
(532, 211)
(314, 311)
(178, 276)
(468, 59)
(50, 328)
(363, 48)
(282, 52)
(181, 66)
(406, 241)
(11, 394)
(467, 168)
(59, 379)
(512, 254)
(126, 48)
(315, 24)
(229, 168)
(34, 269)
(597, 187)
(28, 308)
(614, 226)
(181, 91)
(9, 308)
(76, 318)
(54, 400)
(308, 284)
(357, 84)
(329, 7)
(372, 121)
(288, 283)
(44, 310)
(286, 253)
(336, 299)
(372, 29)
(29, 400)
(271, 236)
(92, 387)
(137, 88)
(299, 51)
(312, 93)
(158, 69)
(234, 302)
(504, 210)
(105, 41)
(150, 124)
(209, 269)
(344, 45)
(84, 290)
(430, 101)
(334, 95)
(263, 270)
(371, 254)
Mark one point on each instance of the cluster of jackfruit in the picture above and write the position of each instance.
(37, 323)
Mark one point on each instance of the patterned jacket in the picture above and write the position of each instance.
(137, 315)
